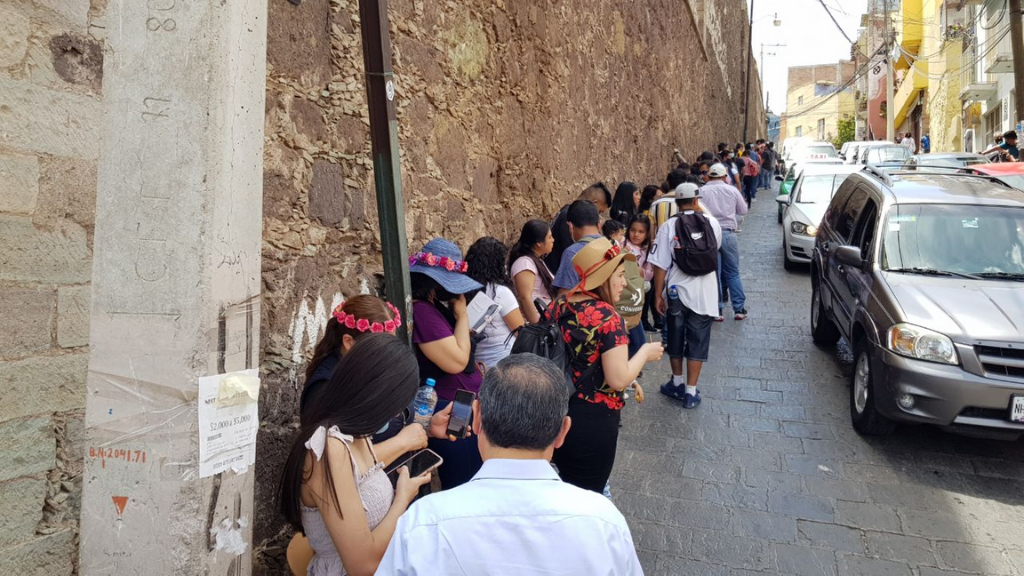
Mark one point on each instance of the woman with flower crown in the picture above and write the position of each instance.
(446, 352)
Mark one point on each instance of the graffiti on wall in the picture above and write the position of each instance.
(308, 325)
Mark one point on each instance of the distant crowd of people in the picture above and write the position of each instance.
(525, 490)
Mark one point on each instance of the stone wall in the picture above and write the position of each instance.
(50, 83)
(506, 110)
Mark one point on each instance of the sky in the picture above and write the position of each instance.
(809, 34)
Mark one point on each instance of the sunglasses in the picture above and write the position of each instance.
(705, 172)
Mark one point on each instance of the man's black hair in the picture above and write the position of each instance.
(582, 213)
(1010, 134)
(676, 177)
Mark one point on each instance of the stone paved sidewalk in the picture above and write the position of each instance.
(768, 476)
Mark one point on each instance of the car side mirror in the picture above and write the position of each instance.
(780, 178)
(849, 256)
(783, 199)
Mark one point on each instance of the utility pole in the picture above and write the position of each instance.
(890, 88)
(387, 170)
(1017, 43)
(746, 91)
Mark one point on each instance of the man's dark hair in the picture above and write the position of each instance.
(705, 156)
(722, 146)
(582, 213)
(760, 141)
(1010, 134)
(677, 177)
(523, 401)
(771, 145)
(597, 192)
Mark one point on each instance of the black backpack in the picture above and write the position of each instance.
(543, 339)
(695, 248)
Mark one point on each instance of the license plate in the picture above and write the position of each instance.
(1017, 409)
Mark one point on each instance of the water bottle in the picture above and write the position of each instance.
(675, 305)
(423, 404)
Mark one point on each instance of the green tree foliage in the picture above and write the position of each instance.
(847, 132)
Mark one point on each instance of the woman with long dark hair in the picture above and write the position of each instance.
(529, 272)
(600, 365)
(486, 260)
(334, 488)
(650, 193)
(443, 344)
(625, 202)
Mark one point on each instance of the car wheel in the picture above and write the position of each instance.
(823, 331)
(867, 420)
(788, 264)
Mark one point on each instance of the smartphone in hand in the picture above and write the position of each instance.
(419, 464)
(462, 414)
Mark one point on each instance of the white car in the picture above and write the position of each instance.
(805, 206)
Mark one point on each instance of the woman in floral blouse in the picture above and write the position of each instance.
(600, 364)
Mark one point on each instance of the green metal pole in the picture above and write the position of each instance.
(387, 170)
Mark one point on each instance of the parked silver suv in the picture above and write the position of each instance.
(923, 273)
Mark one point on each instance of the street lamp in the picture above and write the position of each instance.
(750, 54)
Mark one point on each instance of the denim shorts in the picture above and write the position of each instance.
(689, 333)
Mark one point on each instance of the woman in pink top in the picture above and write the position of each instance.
(530, 275)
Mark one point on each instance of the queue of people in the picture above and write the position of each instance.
(531, 468)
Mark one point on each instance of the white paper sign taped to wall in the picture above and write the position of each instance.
(228, 421)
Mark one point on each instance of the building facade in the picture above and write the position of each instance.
(817, 99)
(986, 95)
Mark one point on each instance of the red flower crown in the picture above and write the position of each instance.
(449, 264)
(362, 324)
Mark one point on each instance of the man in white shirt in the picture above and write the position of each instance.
(515, 517)
(691, 311)
(726, 204)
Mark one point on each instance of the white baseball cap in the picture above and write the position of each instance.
(718, 171)
(686, 191)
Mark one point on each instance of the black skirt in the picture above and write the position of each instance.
(588, 454)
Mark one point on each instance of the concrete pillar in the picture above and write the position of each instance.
(176, 281)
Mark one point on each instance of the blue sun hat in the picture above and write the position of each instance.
(442, 260)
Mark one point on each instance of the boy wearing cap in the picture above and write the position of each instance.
(727, 205)
(695, 302)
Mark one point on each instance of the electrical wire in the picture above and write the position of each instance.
(857, 75)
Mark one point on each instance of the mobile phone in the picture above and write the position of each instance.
(462, 413)
(419, 464)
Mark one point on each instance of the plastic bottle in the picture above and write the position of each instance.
(424, 403)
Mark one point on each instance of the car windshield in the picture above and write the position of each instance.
(819, 188)
(1015, 180)
(884, 154)
(951, 162)
(954, 238)
(816, 152)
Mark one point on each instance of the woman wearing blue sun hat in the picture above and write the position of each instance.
(441, 338)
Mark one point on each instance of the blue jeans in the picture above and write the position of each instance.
(749, 188)
(729, 271)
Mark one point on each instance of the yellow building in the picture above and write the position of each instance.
(929, 40)
(814, 110)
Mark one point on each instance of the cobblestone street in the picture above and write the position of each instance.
(768, 476)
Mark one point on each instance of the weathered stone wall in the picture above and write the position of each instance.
(506, 110)
(50, 81)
